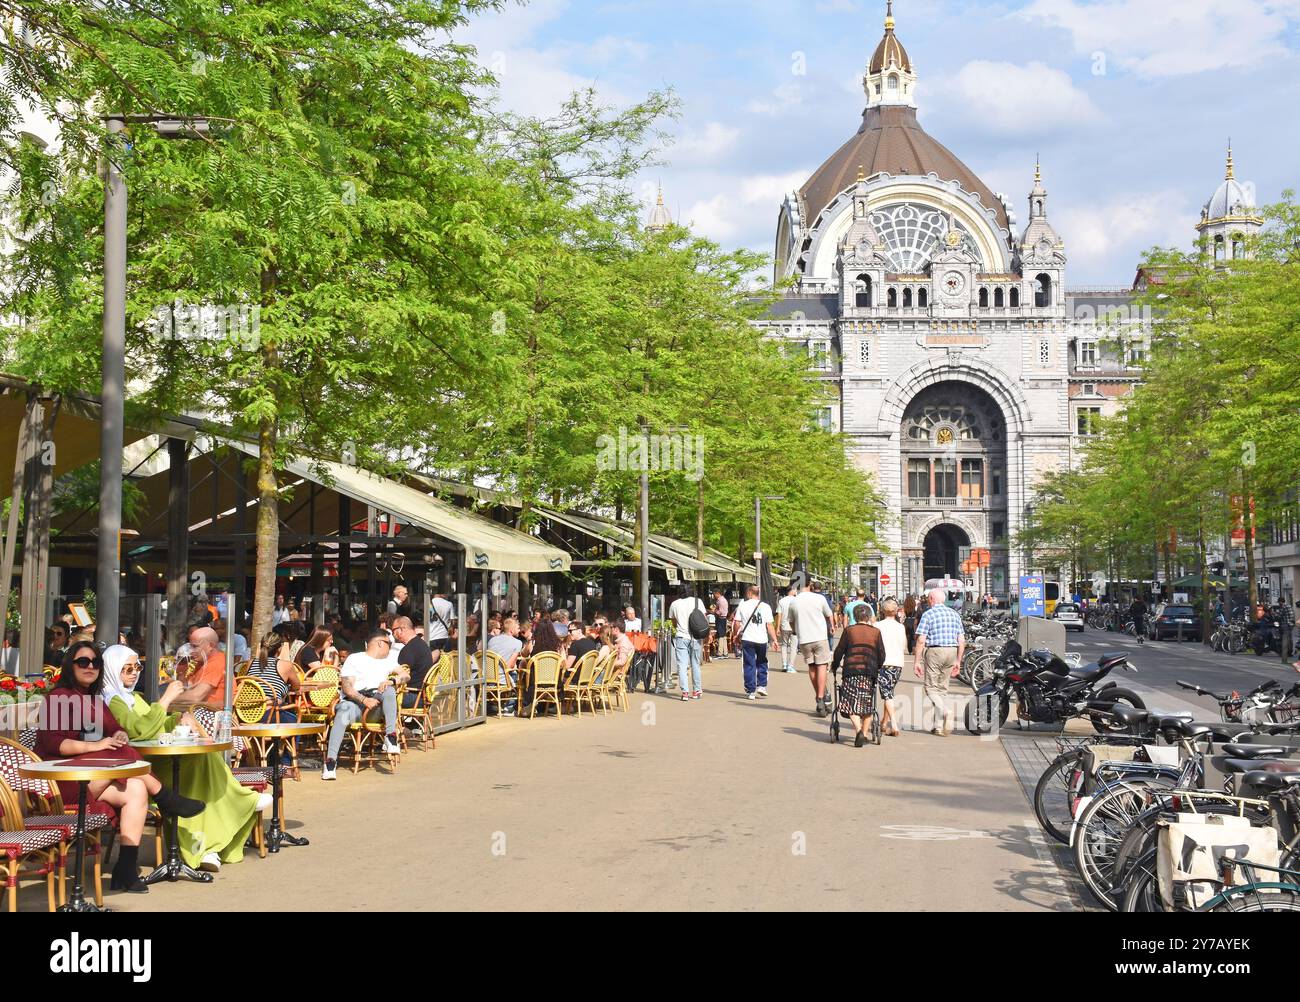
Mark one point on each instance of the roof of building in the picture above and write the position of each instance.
(891, 141)
(890, 51)
(812, 307)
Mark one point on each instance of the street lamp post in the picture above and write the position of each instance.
(108, 582)
(758, 518)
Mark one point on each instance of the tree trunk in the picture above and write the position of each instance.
(268, 529)
(699, 520)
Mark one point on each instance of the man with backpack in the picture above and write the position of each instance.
(691, 626)
(756, 632)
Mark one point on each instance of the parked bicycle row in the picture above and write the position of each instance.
(1166, 813)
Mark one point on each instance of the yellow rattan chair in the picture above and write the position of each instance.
(19, 845)
(366, 736)
(579, 684)
(419, 710)
(316, 706)
(545, 678)
(496, 679)
(601, 679)
(616, 689)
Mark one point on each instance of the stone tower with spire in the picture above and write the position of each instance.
(890, 78)
(1042, 251)
(660, 217)
(1229, 219)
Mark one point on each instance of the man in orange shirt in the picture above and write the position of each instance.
(208, 682)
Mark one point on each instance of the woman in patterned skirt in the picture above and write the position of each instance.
(862, 652)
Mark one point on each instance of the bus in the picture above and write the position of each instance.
(1051, 595)
(955, 590)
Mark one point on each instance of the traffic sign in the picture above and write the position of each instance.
(884, 579)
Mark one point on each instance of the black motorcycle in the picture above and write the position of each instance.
(1266, 638)
(1047, 690)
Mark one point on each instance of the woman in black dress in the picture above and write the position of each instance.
(861, 650)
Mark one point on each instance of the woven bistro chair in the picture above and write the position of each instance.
(418, 713)
(601, 679)
(19, 845)
(545, 668)
(496, 680)
(616, 688)
(367, 735)
(579, 684)
(316, 706)
(40, 805)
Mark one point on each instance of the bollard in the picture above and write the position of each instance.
(1180, 632)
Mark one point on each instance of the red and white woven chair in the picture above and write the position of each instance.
(19, 845)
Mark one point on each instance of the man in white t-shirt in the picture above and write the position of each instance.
(367, 679)
(631, 621)
(687, 650)
(757, 630)
(812, 626)
(785, 630)
(439, 626)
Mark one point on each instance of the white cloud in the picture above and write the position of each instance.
(729, 216)
(788, 97)
(1170, 39)
(1011, 100)
(1099, 235)
(704, 145)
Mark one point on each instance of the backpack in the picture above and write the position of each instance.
(698, 624)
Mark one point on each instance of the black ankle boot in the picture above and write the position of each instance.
(126, 874)
(172, 803)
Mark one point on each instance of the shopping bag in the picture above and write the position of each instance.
(1190, 853)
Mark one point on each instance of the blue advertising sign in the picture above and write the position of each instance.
(1032, 597)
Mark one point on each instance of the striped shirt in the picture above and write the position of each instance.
(941, 627)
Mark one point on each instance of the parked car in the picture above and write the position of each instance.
(1175, 617)
(1069, 615)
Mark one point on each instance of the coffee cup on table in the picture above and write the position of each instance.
(184, 732)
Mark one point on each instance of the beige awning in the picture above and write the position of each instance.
(488, 544)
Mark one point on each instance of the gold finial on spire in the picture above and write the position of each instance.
(1232, 171)
(1038, 170)
(661, 193)
(889, 15)
(862, 175)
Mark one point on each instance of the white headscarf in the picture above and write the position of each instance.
(114, 658)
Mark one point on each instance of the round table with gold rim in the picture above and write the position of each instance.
(173, 867)
(277, 733)
(68, 771)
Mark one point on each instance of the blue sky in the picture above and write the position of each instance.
(1130, 103)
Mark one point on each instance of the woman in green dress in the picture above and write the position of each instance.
(218, 834)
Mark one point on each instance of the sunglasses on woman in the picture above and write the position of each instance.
(88, 662)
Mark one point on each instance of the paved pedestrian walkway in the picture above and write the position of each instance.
(716, 804)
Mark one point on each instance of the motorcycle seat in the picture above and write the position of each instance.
(1085, 674)
(1271, 780)
(1256, 751)
(1110, 660)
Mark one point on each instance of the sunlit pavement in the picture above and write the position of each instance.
(716, 804)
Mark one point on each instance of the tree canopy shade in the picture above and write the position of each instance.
(1215, 419)
(363, 260)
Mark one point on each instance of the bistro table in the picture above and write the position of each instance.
(91, 768)
(173, 867)
(277, 733)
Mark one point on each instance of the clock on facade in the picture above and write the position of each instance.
(953, 283)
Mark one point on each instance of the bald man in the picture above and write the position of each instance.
(208, 682)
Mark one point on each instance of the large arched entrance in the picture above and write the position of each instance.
(953, 447)
(942, 551)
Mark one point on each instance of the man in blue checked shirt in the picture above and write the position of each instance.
(940, 644)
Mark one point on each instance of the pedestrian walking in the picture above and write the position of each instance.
(687, 648)
(812, 625)
(785, 630)
(723, 608)
(894, 635)
(757, 631)
(861, 651)
(940, 643)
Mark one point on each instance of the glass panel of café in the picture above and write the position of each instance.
(954, 462)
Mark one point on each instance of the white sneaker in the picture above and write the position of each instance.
(790, 669)
(211, 863)
(762, 691)
(328, 773)
(391, 747)
(753, 695)
(264, 802)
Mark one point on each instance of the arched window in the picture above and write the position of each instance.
(907, 299)
(1218, 248)
(1043, 292)
(892, 299)
(984, 298)
(923, 298)
(892, 83)
(1015, 298)
(864, 291)
(999, 298)
(1238, 246)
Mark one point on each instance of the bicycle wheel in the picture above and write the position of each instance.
(1057, 793)
(1141, 892)
(1102, 826)
(1271, 901)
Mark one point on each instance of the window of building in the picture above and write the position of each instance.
(984, 298)
(995, 484)
(999, 532)
(864, 351)
(825, 419)
(1044, 352)
(819, 355)
(945, 478)
(864, 291)
(918, 478)
(1088, 353)
(907, 299)
(1015, 298)
(1043, 290)
(923, 299)
(999, 299)
(972, 478)
(892, 299)
(1089, 389)
(1088, 421)
(1137, 353)
(1218, 248)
